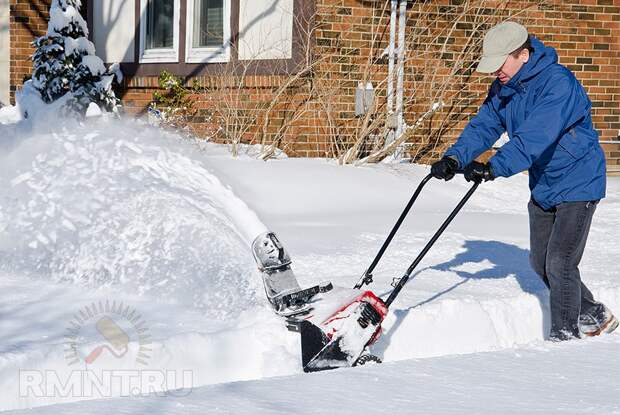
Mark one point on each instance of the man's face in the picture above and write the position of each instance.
(512, 65)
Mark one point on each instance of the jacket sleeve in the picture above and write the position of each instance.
(554, 111)
(479, 135)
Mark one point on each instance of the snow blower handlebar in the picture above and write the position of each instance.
(367, 277)
(401, 283)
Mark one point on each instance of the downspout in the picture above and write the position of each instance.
(390, 116)
(390, 83)
(402, 24)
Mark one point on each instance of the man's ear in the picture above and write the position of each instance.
(524, 56)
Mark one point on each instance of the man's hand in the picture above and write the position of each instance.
(445, 168)
(478, 172)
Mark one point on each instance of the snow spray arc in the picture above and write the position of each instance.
(102, 329)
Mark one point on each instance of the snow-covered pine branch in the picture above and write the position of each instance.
(65, 63)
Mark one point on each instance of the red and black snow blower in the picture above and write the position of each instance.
(340, 338)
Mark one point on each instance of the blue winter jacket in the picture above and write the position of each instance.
(546, 113)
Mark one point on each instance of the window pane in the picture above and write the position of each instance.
(159, 27)
(208, 23)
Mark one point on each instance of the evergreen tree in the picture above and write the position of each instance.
(65, 62)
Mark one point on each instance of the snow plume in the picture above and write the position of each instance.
(113, 203)
(65, 64)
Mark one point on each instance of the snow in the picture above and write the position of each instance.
(29, 103)
(94, 64)
(115, 69)
(122, 209)
(106, 82)
(523, 381)
(122, 212)
(9, 115)
(93, 110)
(35, 113)
(61, 17)
(82, 45)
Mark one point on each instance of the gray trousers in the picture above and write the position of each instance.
(557, 239)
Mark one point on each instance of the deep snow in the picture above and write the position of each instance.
(543, 379)
(119, 211)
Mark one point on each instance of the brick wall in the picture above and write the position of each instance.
(28, 20)
(315, 117)
(4, 53)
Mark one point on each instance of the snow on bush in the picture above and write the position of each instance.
(65, 65)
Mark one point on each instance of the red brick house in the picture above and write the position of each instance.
(291, 67)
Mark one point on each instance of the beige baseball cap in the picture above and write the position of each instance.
(498, 43)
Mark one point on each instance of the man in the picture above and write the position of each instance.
(546, 113)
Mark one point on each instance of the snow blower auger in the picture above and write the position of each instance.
(340, 339)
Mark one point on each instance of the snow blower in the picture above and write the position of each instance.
(340, 338)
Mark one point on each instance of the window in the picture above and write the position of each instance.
(208, 23)
(208, 34)
(159, 31)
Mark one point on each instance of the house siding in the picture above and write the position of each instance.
(113, 30)
(273, 37)
(586, 34)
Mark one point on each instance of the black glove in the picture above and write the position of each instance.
(445, 168)
(478, 172)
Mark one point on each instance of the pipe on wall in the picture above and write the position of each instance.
(390, 81)
(402, 24)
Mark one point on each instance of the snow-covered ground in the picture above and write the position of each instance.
(538, 379)
(116, 212)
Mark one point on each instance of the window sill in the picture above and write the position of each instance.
(160, 56)
(207, 55)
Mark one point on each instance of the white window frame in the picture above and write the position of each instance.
(208, 54)
(160, 55)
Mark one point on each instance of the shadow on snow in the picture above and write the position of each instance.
(508, 261)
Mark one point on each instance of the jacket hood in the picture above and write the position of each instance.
(542, 58)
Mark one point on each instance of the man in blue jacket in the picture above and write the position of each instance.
(546, 113)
